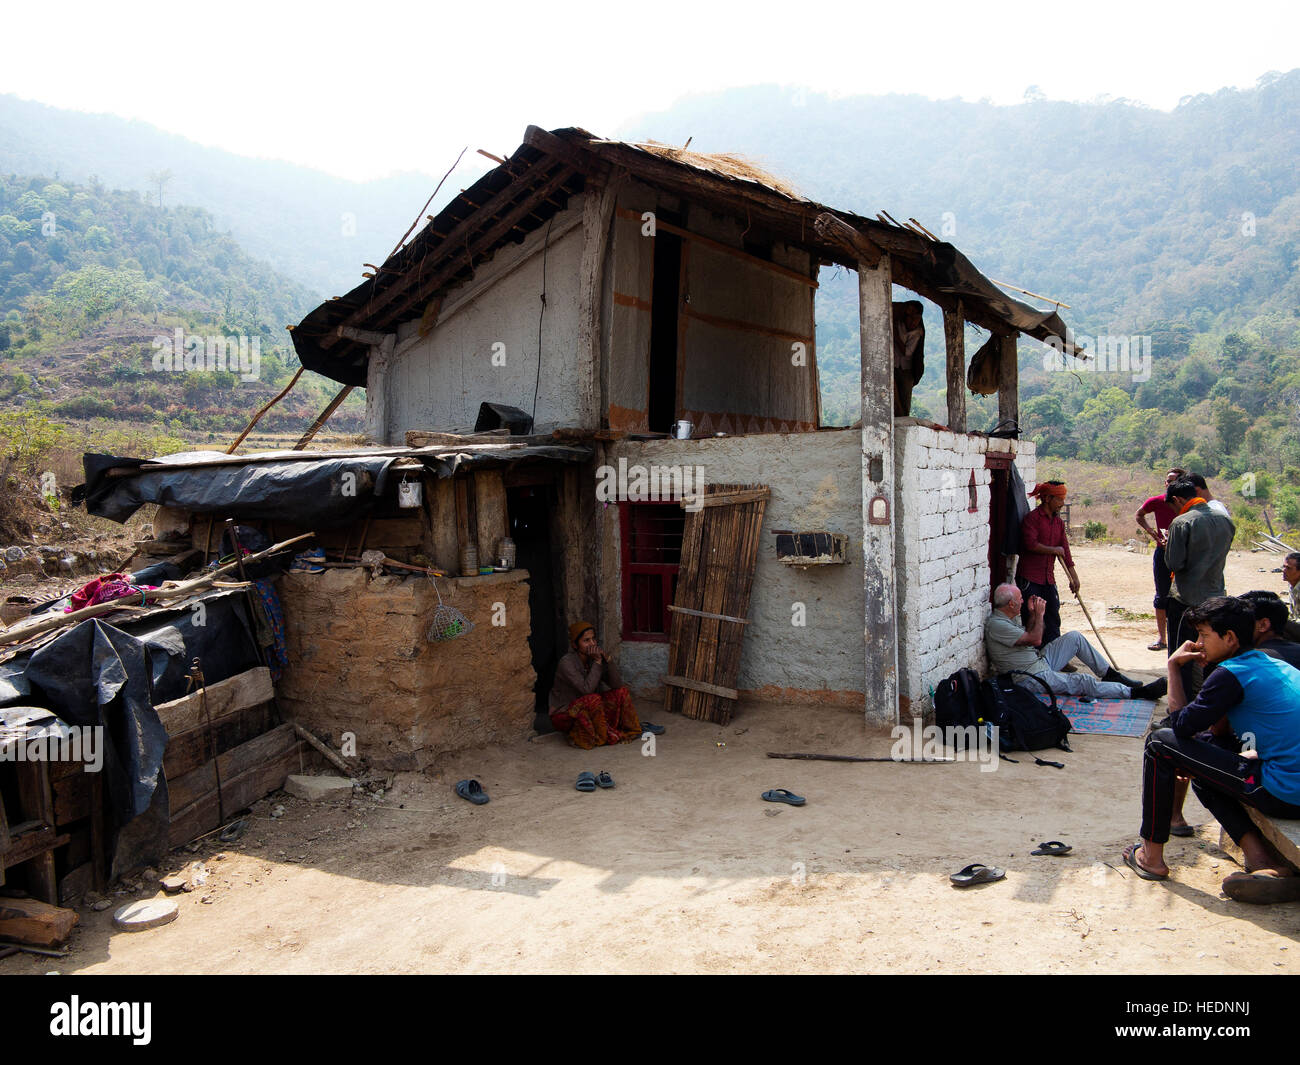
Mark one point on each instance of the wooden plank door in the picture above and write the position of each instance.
(719, 553)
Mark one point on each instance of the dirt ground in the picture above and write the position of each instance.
(681, 868)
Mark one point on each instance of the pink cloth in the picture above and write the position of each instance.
(104, 590)
(1164, 512)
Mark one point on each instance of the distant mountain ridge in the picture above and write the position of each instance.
(311, 226)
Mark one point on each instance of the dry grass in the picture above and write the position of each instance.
(729, 164)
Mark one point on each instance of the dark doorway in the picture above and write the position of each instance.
(530, 508)
(1000, 537)
(665, 306)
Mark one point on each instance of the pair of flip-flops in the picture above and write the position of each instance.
(471, 790)
(591, 781)
(782, 795)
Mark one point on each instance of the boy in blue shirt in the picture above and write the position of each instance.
(1259, 697)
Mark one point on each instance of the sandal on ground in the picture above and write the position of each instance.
(781, 795)
(604, 779)
(652, 728)
(1262, 889)
(586, 781)
(1053, 847)
(1130, 859)
(976, 874)
(471, 790)
(1183, 831)
(1159, 645)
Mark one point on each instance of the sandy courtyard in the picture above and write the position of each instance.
(681, 868)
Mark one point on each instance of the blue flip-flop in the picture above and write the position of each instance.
(781, 795)
(471, 790)
(586, 781)
(604, 779)
(653, 729)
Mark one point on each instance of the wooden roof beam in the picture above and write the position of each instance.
(480, 245)
(500, 201)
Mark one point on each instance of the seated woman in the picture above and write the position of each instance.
(588, 700)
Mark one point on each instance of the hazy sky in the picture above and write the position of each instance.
(363, 89)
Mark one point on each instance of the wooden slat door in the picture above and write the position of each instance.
(719, 553)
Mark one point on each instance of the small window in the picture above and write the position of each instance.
(652, 553)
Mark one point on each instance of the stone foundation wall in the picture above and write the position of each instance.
(359, 662)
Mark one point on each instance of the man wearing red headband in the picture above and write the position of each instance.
(1043, 541)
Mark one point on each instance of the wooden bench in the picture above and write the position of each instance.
(1282, 834)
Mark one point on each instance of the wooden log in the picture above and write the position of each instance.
(1008, 382)
(226, 697)
(330, 754)
(597, 214)
(35, 923)
(837, 231)
(954, 335)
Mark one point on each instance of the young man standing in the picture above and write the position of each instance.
(1164, 513)
(1196, 549)
(1260, 698)
(1043, 541)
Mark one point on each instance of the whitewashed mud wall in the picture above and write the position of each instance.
(815, 480)
(437, 382)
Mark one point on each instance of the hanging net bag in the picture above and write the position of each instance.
(448, 622)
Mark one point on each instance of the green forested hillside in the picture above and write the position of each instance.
(90, 277)
(1178, 229)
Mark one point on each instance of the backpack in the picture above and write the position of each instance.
(1023, 722)
(957, 701)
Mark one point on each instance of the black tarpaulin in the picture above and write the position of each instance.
(318, 492)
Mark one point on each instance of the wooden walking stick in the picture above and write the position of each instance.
(1111, 657)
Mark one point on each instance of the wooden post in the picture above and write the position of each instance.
(880, 634)
(597, 215)
(378, 383)
(954, 337)
(1009, 382)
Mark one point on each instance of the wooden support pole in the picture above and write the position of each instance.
(1008, 382)
(315, 426)
(880, 633)
(954, 336)
(597, 215)
(269, 404)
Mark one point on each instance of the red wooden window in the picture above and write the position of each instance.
(652, 552)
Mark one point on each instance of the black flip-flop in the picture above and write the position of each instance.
(1130, 859)
(1053, 847)
(471, 790)
(604, 779)
(976, 874)
(653, 729)
(1262, 889)
(781, 795)
(586, 782)
(1183, 831)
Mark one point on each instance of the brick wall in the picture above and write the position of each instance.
(941, 552)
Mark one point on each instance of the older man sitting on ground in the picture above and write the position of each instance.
(1012, 647)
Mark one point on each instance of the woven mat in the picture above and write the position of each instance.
(1113, 717)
